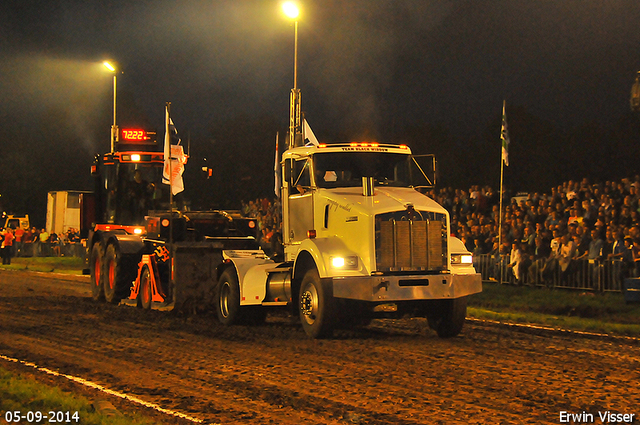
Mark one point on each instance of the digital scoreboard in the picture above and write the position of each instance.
(133, 135)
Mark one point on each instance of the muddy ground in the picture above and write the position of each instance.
(391, 372)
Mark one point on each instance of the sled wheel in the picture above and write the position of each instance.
(315, 304)
(144, 296)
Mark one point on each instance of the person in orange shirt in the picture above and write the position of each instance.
(7, 246)
(19, 241)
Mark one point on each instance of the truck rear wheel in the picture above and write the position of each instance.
(112, 272)
(95, 266)
(315, 304)
(144, 296)
(448, 316)
(228, 298)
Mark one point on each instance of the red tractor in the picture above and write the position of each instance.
(135, 241)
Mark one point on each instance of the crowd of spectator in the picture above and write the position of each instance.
(545, 233)
(35, 242)
(268, 214)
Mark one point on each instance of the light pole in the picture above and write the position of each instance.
(291, 10)
(114, 127)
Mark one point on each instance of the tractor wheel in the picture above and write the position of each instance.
(95, 265)
(315, 304)
(228, 298)
(448, 317)
(112, 273)
(144, 296)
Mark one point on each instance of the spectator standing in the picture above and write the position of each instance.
(54, 242)
(619, 248)
(7, 246)
(551, 266)
(44, 243)
(2, 234)
(567, 253)
(19, 241)
(635, 253)
(36, 242)
(539, 259)
(594, 256)
(627, 257)
(27, 243)
(515, 261)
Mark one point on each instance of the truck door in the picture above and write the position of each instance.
(300, 201)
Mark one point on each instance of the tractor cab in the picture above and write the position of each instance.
(128, 183)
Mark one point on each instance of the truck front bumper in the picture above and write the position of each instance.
(406, 288)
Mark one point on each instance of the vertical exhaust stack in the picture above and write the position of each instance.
(367, 186)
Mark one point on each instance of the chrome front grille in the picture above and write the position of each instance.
(411, 245)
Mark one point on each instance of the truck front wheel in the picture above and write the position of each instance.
(448, 316)
(95, 265)
(315, 304)
(228, 298)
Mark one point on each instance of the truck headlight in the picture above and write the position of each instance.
(345, 263)
(461, 259)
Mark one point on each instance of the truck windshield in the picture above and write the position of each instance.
(346, 169)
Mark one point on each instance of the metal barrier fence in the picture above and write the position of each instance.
(581, 274)
(39, 249)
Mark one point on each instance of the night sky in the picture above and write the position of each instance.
(432, 74)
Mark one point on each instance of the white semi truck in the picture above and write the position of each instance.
(359, 241)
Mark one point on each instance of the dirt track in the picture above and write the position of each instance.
(392, 372)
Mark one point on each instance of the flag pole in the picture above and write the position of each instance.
(500, 217)
(168, 142)
(504, 158)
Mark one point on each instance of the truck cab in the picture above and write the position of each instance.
(359, 239)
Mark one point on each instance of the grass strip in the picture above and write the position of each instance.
(68, 265)
(560, 322)
(575, 310)
(32, 400)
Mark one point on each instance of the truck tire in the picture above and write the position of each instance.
(112, 274)
(144, 296)
(448, 317)
(95, 266)
(227, 299)
(315, 304)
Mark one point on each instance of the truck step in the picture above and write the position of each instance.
(274, 303)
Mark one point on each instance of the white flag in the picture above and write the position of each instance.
(504, 136)
(172, 171)
(308, 134)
